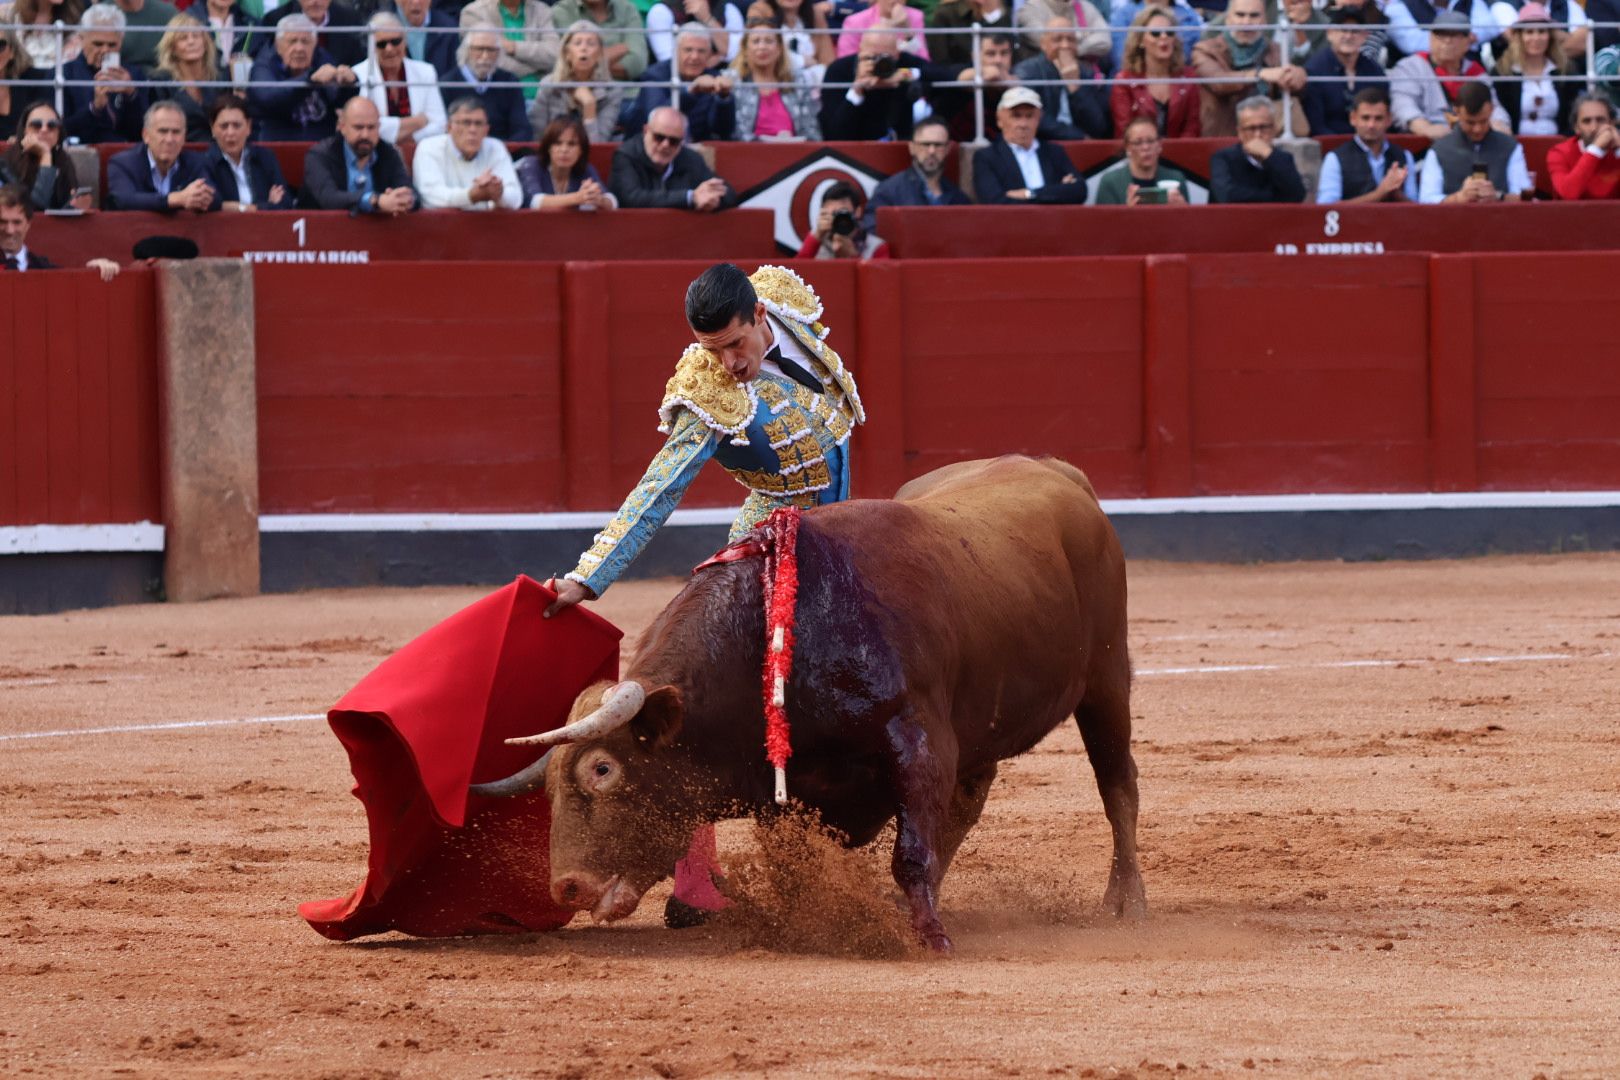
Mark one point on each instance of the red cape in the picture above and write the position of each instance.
(429, 721)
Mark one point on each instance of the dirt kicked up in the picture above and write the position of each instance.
(1380, 831)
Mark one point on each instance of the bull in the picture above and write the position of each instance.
(938, 633)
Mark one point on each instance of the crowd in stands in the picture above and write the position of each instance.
(457, 80)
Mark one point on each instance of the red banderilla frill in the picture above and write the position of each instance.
(780, 577)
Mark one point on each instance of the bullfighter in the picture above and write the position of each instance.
(761, 392)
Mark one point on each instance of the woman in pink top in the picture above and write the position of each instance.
(765, 112)
(885, 15)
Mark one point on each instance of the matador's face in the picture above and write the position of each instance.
(741, 346)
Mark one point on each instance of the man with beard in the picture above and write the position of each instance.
(1588, 165)
(500, 91)
(924, 183)
(355, 170)
(1368, 168)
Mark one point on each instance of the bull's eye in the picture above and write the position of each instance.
(597, 772)
(603, 769)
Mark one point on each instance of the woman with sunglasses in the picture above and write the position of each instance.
(583, 59)
(1153, 56)
(405, 91)
(35, 161)
(187, 62)
(1535, 103)
(772, 112)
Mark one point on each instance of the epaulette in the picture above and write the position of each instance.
(702, 384)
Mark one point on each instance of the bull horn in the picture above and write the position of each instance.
(621, 702)
(522, 782)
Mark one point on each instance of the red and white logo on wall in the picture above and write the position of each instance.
(794, 194)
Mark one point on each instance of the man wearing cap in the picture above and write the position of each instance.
(1423, 87)
(1407, 19)
(1018, 168)
(1368, 168)
(1588, 165)
(1474, 163)
(1337, 72)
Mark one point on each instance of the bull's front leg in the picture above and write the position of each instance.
(924, 777)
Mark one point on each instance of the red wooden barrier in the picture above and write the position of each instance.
(78, 398)
(410, 386)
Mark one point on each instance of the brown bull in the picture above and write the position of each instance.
(938, 633)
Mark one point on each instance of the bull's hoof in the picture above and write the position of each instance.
(938, 942)
(679, 915)
(1125, 901)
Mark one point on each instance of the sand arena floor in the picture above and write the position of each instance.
(1380, 825)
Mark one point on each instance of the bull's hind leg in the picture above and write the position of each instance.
(923, 786)
(1104, 717)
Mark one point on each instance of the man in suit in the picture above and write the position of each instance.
(421, 18)
(16, 217)
(111, 110)
(1018, 168)
(296, 87)
(1075, 103)
(355, 170)
(874, 107)
(502, 94)
(244, 177)
(705, 97)
(339, 29)
(924, 183)
(1255, 171)
(659, 170)
(161, 174)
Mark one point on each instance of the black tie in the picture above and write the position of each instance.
(792, 370)
(11, 262)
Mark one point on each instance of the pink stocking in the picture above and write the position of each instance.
(695, 874)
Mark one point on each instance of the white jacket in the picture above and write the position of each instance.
(423, 83)
(443, 176)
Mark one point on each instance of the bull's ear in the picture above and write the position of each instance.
(659, 720)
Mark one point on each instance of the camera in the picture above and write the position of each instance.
(884, 67)
(843, 222)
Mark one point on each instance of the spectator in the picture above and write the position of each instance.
(1597, 11)
(841, 231)
(1255, 171)
(35, 161)
(1535, 103)
(1587, 166)
(924, 183)
(43, 44)
(874, 107)
(405, 91)
(244, 178)
(1307, 30)
(1606, 71)
(658, 170)
(961, 15)
(811, 52)
(1142, 172)
(1407, 18)
(339, 30)
(187, 62)
(952, 99)
(560, 176)
(1370, 15)
(789, 112)
(582, 60)
(430, 35)
(1019, 168)
(16, 216)
(466, 169)
(161, 174)
(499, 90)
(1094, 42)
(143, 23)
(1124, 14)
(1153, 54)
(1078, 108)
(111, 110)
(231, 27)
(1422, 87)
(619, 22)
(15, 99)
(1368, 168)
(529, 43)
(1474, 162)
(720, 20)
(355, 170)
(894, 16)
(1334, 73)
(705, 98)
(297, 88)
(1244, 59)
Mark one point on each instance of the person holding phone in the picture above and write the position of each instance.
(1475, 163)
(35, 161)
(1143, 180)
(101, 100)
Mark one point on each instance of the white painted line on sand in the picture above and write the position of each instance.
(176, 726)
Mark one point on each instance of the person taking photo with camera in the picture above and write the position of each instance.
(838, 233)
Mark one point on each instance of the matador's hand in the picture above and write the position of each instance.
(569, 592)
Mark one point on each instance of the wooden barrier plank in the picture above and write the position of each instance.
(1453, 463)
(879, 363)
(96, 406)
(10, 444)
(31, 343)
(64, 462)
(1167, 378)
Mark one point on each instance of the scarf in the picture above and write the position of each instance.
(1466, 71)
(1245, 56)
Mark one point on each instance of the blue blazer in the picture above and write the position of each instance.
(129, 179)
(275, 100)
(996, 172)
(121, 121)
(264, 173)
(907, 189)
(441, 48)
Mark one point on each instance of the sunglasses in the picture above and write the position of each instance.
(44, 125)
(667, 140)
(1157, 33)
(390, 43)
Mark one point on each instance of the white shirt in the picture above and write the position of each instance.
(1029, 163)
(443, 176)
(791, 350)
(1432, 187)
(1534, 118)
(161, 182)
(22, 264)
(244, 186)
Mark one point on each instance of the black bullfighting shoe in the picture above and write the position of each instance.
(679, 915)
